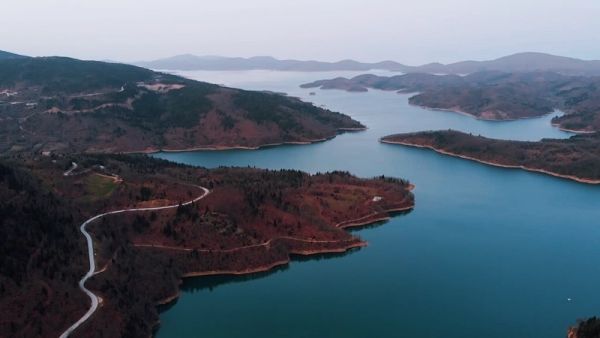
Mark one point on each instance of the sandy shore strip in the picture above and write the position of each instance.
(366, 220)
(258, 269)
(261, 268)
(456, 110)
(264, 268)
(574, 131)
(569, 177)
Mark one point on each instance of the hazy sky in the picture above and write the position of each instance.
(407, 31)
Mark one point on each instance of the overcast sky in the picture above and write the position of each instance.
(412, 32)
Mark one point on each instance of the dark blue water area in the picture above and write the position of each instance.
(487, 252)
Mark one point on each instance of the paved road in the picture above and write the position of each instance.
(70, 171)
(92, 270)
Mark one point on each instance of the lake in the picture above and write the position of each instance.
(487, 252)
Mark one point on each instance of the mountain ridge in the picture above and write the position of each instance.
(518, 62)
(8, 55)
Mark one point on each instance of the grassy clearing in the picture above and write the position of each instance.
(100, 187)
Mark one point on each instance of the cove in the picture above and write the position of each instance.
(487, 252)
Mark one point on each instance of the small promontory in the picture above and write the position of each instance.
(576, 158)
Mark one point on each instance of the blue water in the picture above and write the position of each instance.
(487, 252)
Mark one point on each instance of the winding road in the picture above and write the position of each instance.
(92, 270)
(70, 171)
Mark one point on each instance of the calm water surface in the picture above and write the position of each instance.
(487, 252)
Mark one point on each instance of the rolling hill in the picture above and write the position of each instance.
(8, 55)
(69, 105)
(493, 95)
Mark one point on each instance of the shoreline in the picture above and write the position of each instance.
(268, 267)
(95, 299)
(339, 131)
(383, 216)
(574, 131)
(508, 166)
(461, 112)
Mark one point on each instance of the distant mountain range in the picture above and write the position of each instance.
(193, 62)
(521, 62)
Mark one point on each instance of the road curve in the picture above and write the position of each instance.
(92, 270)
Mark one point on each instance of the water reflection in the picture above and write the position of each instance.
(210, 283)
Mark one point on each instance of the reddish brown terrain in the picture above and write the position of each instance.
(588, 328)
(252, 220)
(576, 158)
(67, 105)
(493, 95)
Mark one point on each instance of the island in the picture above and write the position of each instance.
(152, 223)
(492, 95)
(65, 105)
(576, 158)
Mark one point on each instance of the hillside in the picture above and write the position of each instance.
(252, 220)
(493, 95)
(8, 55)
(68, 105)
(576, 158)
(520, 62)
(516, 63)
(41, 256)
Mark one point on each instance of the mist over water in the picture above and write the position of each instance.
(487, 252)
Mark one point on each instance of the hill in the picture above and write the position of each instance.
(41, 256)
(520, 62)
(493, 95)
(576, 158)
(68, 105)
(8, 55)
(252, 220)
(193, 62)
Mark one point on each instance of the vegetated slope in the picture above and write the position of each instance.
(69, 105)
(576, 158)
(252, 220)
(589, 328)
(41, 257)
(493, 95)
(8, 55)
(63, 76)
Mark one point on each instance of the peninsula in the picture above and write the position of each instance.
(576, 158)
(66, 105)
(152, 223)
(110, 236)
